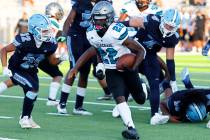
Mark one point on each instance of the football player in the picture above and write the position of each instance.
(55, 13)
(162, 34)
(29, 49)
(75, 27)
(111, 41)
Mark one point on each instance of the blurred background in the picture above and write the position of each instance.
(194, 30)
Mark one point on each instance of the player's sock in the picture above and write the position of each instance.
(125, 114)
(28, 103)
(80, 97)
(187, 83)
(154, 97)
(171, 69)
(106, 91)
(3, 87)
(64, 95)
(54, 86)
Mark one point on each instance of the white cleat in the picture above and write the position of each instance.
(24, 122)
(208, 124)
(158, 119)
(33, 123)
(81, 111)
(184, 73)
(115, 112)
(52, 103)
(61, 110)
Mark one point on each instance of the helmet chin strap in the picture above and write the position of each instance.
(38, 42)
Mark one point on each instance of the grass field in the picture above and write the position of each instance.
(100, 126)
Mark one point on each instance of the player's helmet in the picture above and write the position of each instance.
(196, 112)
(54, 9)
(102, 15)
(142, 3)
(170, 21)
(40, 26)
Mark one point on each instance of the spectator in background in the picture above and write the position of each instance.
(24, 2)
(199, 32)
(22, 25)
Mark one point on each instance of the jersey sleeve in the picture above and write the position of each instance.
(119, 32)
(17, 42)
(53, 47)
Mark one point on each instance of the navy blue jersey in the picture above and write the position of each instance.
(82, 8)
(176, 99)
(27, 56)
(151, 37)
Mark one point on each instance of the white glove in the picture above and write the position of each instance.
(63, 57)
(101, 67)
(208, 124)
(174, 86)
(6, 72)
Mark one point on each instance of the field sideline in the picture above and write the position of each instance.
(100, 126)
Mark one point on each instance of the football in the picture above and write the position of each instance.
(126, 61)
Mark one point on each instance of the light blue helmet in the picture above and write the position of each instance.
(170, 21)
(196, 112)
(40, 26)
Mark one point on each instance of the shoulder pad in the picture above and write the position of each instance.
(90, 28)
(17, 41)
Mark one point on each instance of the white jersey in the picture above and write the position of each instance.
(130, 8)
(152, 9)
(110, 45)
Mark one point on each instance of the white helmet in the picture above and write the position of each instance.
(40, 26)
(170, 21)
(54, 9)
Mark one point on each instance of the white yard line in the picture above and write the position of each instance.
(1, 138)
(90, 103)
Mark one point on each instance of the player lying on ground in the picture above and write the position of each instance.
(29, 50)
(190, 105)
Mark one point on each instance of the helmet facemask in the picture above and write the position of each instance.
(101, 22)
(167, 28)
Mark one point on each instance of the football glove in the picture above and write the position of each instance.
(205, 49)
(63, 57)
(6, 72)
(100, 71)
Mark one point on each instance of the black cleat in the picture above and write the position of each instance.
(130, 134)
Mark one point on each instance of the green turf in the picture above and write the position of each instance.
(100, 126)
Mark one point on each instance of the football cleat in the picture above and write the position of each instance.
(130, 98)
(24, 122)
(115, 112)
(130, 133)
(185, 75)
(159, 119)
(105, 97)
(208, 124)
(61, 110)
(33, 123)
(52, 103)
(173, 86)
(81, 111)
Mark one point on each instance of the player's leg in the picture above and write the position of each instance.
(185, 75)
(5, 85)
(81, 90)
(116, 84)
(30, 84)
(151, 69)
(74, 49)
(134, 86)
(57, 75)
